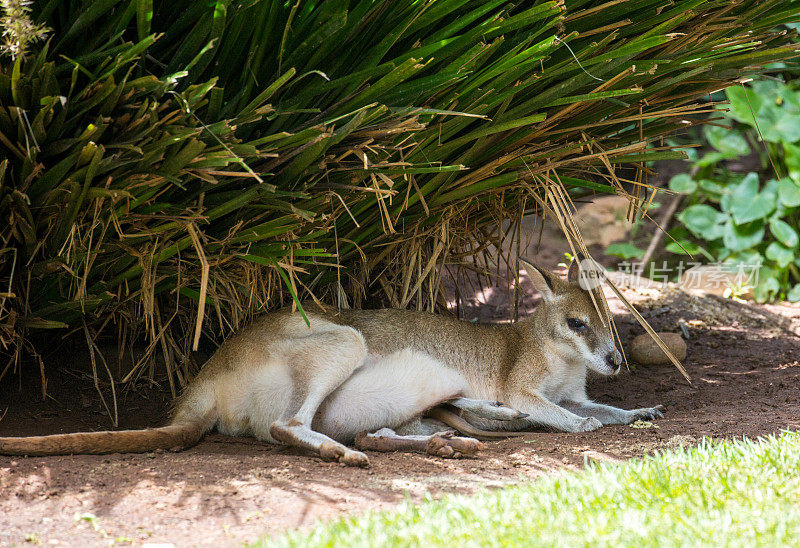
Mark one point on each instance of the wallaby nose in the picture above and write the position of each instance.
(614, 359)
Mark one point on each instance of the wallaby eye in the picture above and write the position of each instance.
(576, 325)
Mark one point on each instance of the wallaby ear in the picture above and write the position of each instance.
(575, 268)
(542, 279)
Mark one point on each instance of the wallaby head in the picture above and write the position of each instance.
(568, 319)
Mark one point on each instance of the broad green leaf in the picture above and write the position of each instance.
(794, 294)
(713, 157)
(791, 100)
(703, 221)
(783, 232)
(747, 259)
(625, 251)
(778, 125)
(725, 203)
(738, 237)
(682, 247)
(745, 104)
(791, 155)
(713, 187)
(769, 193)
(768, 286)
(781, 254)
(747, 204)
(727, 141)
(770, 90)
(683, 184)
(789, 192)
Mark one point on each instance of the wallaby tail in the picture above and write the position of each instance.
(459, 423)
(175, 437)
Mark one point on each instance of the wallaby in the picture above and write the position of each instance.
(370, 376)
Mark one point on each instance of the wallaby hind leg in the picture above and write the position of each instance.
(387, 392)
(298, 434)
(441, 444)
(320, 362)
(423, 426)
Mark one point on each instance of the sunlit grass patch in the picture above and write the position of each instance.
(732, 493)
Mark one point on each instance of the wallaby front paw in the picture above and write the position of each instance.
(648, 413)
(588, 424)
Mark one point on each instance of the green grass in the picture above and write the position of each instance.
(733, 493)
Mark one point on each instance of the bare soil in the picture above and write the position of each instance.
(743, 360)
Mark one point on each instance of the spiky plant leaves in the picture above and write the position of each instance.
(169, 161)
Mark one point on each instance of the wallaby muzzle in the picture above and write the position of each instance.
(614, 361)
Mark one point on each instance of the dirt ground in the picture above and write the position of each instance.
(744, 361)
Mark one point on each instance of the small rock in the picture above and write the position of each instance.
(644, 350)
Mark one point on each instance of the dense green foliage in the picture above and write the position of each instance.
(739, 493)
(172, 166)
(749, 218)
